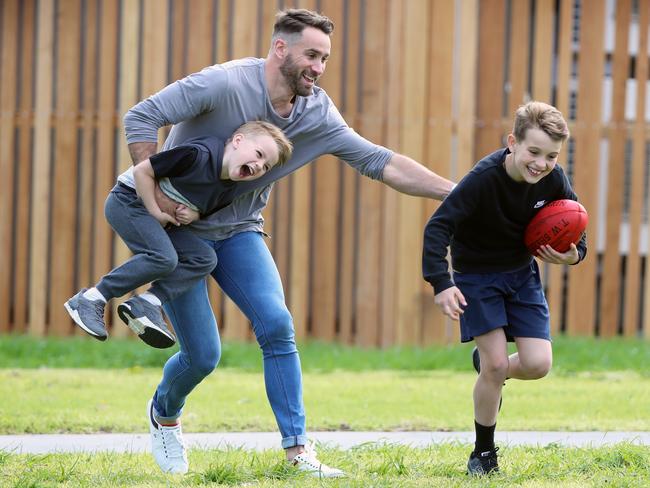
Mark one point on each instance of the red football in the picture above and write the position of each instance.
(558, 224)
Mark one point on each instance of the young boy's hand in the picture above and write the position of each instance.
(550, 255)
(165, 203)
(186, 215)
(450, 301)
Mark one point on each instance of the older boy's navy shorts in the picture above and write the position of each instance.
(512, 300)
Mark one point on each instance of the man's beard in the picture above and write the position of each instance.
(293, 75)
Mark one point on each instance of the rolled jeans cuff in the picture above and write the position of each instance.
(165, 420)
(294, 440)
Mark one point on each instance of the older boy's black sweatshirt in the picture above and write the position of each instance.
(483, 221)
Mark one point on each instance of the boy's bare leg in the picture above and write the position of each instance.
(533, 359)
(493, 350)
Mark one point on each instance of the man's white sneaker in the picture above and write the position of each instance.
(308, 462)
(167, 445)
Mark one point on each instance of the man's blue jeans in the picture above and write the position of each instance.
(247, 273)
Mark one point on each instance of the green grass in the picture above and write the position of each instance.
(370, 465)
(571, 355)
(79, 385)
(84, 400)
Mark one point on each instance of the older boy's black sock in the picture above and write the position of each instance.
(484, 437)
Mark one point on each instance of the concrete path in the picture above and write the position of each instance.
(46, 443)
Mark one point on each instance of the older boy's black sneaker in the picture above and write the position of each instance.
(482, 463)
(476, 362)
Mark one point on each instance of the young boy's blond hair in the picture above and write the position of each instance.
(540, 115)
(261, 127)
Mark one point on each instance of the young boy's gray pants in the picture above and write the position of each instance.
(174, 259)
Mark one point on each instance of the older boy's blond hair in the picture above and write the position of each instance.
(260, 128)
(540, 115)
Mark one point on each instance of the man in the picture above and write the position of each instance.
(280, 89)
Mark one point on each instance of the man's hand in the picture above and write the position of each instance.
(186, 215)
(450, 301)
(550, 255)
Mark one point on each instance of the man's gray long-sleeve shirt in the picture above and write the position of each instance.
(219, 99)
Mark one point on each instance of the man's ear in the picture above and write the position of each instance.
(280, 47)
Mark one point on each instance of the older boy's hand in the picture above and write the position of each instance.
(450, 301)
(550, 255)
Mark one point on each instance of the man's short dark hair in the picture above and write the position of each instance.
(295, 20)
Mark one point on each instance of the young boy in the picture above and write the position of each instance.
(496, 289)
(200, 176)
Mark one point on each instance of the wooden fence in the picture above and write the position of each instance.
(435, 79)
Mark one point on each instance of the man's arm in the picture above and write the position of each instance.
(140, 151)
(408, 176)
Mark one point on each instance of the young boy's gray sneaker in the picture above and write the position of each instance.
(481, 463)
(146, 320)
(476, 362)
(88, 314)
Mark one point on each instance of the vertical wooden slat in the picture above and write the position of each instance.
(24, 168)
(410, 210)
(349, 228)
(611, 275)
(543, 50)
(370, 125)
(235, 324)
(8, 87)
(438, 137)
(519, 61)
(178, 52)
(582, 278)
(554, 274)
(64, 175)
(41, 174)
(326, 201)
(393, 136)
(638, 167)
(199, 34)
(490, 73)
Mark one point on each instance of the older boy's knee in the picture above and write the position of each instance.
(537, 368)
(496, 369)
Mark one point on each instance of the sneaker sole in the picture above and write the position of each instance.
(147, 331)
(74, 315)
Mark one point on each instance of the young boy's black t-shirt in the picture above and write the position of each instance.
(483, 221)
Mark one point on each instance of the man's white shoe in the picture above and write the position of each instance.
(167, 445)
(308, 462)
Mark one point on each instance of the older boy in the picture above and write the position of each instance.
(496, 289)
(200, 176)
